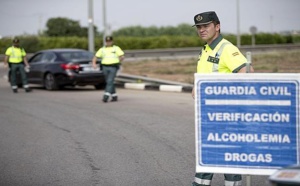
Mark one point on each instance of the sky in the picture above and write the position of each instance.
(29, 16)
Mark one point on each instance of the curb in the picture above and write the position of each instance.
(164, 88)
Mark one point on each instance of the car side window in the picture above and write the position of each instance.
(36, 58)
(48, 57)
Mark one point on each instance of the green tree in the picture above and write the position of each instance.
(186, 30)
(152, 31)
(64, 27)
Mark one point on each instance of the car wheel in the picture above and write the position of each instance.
(99, 86)
(50, 82)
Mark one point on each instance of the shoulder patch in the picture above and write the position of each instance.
(235, 54)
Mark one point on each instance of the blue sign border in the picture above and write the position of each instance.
(244, 165)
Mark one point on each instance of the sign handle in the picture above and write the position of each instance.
(248, 180)
(248, 54)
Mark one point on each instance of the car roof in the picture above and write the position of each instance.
(63, 50)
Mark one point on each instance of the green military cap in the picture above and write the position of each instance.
(108, 38)
(16, 40)
(205, 18)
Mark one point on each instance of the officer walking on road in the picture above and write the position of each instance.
(217, 56)
(15, 58)
(111, 57)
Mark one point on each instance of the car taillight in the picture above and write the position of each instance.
(70, 66)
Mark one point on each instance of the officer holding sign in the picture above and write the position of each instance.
(218, 55)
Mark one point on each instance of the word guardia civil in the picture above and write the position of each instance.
(247, 90)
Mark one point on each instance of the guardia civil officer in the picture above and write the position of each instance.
(217, 56)
(111, 57)
(15, 56)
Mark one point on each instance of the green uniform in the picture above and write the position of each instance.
(110, 64)
(110, 55)
(220, 56)
(15, 60)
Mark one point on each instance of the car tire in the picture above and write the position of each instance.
(99, 86)
(50, 82)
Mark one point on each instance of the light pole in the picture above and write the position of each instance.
(238, 37)
(253, 31)
(271, 24)
(91, 26)
(104, 21)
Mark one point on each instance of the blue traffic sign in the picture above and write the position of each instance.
(247, 123)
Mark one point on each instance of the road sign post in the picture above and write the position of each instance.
(246, 123)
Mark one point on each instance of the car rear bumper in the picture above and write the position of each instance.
(80, 79)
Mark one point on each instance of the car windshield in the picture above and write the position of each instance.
(76, 55)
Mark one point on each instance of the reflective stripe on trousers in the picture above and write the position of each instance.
(107, 94)
(227, 183)
(205, 179)
(202, 181)
(233, 183)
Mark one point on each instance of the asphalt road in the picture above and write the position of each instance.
(71, 138)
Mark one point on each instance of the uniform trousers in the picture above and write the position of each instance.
(13, 76)
(204, 179)
(110, 73)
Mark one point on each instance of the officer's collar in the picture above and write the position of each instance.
(216, 42)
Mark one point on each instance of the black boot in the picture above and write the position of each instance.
(114, 98)
(27, 90)
(105, 98)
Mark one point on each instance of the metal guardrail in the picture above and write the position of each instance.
(127, 78)
(192, 51)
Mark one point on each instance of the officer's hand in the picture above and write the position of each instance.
(95, 66)
(5, 65)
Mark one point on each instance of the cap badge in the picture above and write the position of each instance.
(199, 18)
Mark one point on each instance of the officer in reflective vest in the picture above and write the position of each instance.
(111, 56)
(217, 56)
(15, 56)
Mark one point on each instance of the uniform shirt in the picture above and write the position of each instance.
(230, 60)
(15, 54)
(110, 55)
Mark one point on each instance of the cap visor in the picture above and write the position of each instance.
(198, 24)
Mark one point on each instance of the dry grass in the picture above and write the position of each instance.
(182, 70)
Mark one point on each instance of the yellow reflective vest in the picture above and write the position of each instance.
(15, 54)
(220, 56)
(109, 55)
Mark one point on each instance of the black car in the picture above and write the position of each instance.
(57, 68)
(289, 176)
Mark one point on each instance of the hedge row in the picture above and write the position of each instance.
(35, 43)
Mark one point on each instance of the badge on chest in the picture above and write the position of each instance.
(213, 59)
